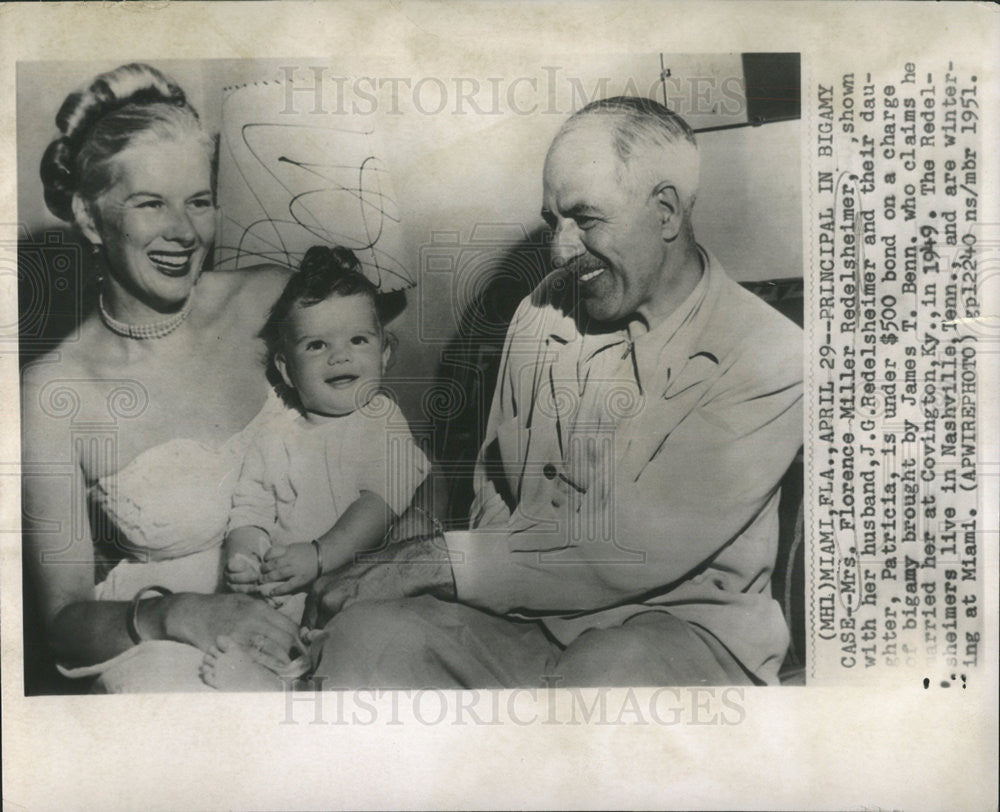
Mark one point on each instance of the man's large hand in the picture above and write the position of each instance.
(399, 571)
(330, 593)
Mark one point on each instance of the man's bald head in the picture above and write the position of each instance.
(653, 143)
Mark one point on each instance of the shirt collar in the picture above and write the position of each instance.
(671, 343)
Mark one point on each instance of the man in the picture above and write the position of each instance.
(625, 523)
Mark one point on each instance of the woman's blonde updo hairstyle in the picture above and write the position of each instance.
(123, 107)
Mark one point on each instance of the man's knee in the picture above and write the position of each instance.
(617, 656)
(368, 622)
(388, 644)
(654, 648)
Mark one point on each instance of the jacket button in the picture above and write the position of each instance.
(549, 470)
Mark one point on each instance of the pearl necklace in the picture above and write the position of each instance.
(156, 329)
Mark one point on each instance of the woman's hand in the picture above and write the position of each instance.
(201, 619)
(294, 565)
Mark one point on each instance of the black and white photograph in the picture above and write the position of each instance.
(612, 414)
(572, 393)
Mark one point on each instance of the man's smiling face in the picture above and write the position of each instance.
(607, 229)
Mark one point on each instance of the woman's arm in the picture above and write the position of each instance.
(59, 555)
(58, 549)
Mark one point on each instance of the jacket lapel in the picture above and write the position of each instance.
(675, 381)
(639, 438)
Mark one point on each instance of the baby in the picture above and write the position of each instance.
(317, 490)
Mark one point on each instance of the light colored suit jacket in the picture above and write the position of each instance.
(679, 513)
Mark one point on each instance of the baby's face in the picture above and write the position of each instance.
(334, 355)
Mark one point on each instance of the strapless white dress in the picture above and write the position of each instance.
(167, 512)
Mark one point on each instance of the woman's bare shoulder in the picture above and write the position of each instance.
(248, 289)
(257, 279)
(55, 388)
(72, 360)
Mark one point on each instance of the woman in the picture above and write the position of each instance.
(153, 402)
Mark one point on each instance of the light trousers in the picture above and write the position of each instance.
(424, 642)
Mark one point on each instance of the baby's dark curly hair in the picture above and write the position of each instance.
(325, 271)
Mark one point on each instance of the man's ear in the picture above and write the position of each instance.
(670, 210)
(282, 365)
(85, 220)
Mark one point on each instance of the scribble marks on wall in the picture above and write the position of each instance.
(289, 180)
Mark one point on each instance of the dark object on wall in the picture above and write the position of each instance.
(772, 87)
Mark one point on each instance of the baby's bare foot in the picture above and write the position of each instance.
(230, 667)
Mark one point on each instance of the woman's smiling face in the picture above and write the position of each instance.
(156, 222)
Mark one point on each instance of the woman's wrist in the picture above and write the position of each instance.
(166, 617)
(147, 618)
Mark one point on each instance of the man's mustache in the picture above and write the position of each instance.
(583, 264)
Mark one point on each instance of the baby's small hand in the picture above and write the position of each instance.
(243, 573)
(295, 565)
